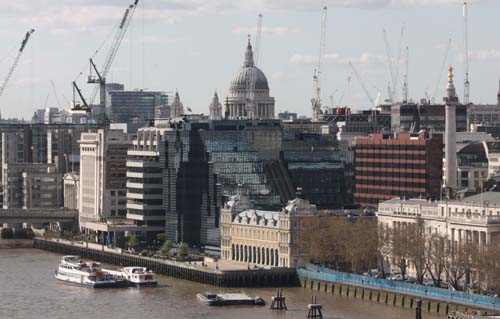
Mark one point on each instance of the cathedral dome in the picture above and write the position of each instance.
(240, 81)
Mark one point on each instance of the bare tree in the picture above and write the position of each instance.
(384, 249)
(400, 248)
(436, 257)
(416, 248)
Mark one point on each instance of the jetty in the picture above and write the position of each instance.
(214, 273)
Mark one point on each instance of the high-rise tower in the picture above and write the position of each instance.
(451, 101)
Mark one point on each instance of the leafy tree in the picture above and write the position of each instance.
(133, 242)
(167, 246)
(183, 250)
(161, 237)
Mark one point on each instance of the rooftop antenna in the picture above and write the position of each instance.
(466, 47)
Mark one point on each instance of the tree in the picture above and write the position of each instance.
(183, 250)
(133, 242)
(435, 257)
(384, 249)
(416, 249)
(167, 246)
(458, 262)
(400, 248)
(161, 237)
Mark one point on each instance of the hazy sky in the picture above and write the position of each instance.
(196, 46)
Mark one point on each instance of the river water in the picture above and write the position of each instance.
(28, 290)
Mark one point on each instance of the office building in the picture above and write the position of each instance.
(145, 181)
(71, 184)
(31, 185)
(402, 166)
(412, 117)
(102, 185)
(129, 106)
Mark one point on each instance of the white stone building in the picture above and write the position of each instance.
(266, 238)
(102, 188)
(475, 218)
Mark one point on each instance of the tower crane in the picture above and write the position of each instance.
(440, 75)
(100, 76)
(316, 100)
(363, 86)
(393, 67)
(346, 89)
(388, 53)
(466, 47)
(16, 60)
(250, 105)
(405, 77)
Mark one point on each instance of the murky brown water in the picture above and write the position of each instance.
(29, 290)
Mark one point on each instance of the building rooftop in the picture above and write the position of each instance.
(486, 198)
(411, 201)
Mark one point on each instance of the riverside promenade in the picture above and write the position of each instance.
(215, 273)
(395, 293)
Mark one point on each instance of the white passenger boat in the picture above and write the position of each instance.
(138, 276)
(73, 271)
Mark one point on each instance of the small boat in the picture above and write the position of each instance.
(472, 315)
(229, 299)
(138, 276)
(73, 271)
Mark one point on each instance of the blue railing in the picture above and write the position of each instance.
(315, 272)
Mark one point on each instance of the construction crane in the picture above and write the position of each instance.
(16, 60)
(55, 93)
(316, 100)
(398, 62)
(388, 53)
(466, 47)
(405, 77)
(346, 89)
(85, 106)
(100, 76)
(393, 67)
(363, 86)
(250, 99)
(441, 70)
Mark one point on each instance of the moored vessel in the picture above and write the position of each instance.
(138, 276)
(72, 270)
(229, 299)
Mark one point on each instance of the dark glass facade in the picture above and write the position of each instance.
(137, 105)
(430, 117)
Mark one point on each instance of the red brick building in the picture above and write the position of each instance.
(402, 166)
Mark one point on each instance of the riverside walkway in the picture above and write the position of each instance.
(216, 273)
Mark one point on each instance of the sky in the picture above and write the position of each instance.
(197, 46)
